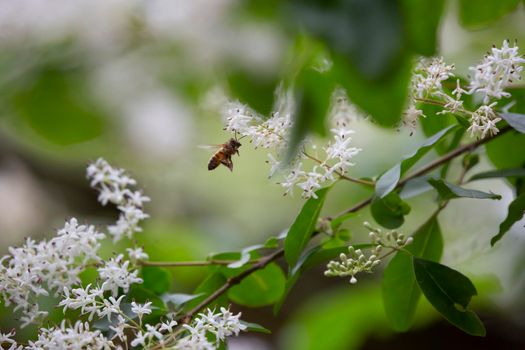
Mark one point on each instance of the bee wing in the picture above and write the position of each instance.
(209, 147)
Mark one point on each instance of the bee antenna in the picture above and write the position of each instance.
(240, 138)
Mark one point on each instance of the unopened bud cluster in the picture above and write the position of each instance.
(352, 264)
(390, 239)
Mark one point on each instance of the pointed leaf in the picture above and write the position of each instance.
(449, 292)
(447, 190)
(515, 213)
(389, 180)
(517, 172)
(400, 290)
(517, 121)
(303, 227)
(254, 327)
(263, 287)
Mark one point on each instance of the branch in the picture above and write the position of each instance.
(431, 166)
(191, 263)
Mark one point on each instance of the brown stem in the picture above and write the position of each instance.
(190, 263)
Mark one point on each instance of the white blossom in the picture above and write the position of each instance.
(117, 273)
(483, 121)
(137, 254)
(141, 309)
(429, 75)
(76, 337)
(33, 269)
(353, 264)
(499, 68)
(113, 186)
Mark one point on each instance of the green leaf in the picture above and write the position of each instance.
(303, 227)
(263, 287)
(389, 180)
(254, 327)
(515, 213)
(384, 100)
(314, 90)
(447, 190)
(517, 172)
(400, 290)
(156, 279)
(256, 90)
(421, 24)
(449, 292)
(506, 151)
(389, 211)
(59, 109)
(515, 120)
(476, 13)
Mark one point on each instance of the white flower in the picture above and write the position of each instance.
(221, 324)
(141, 309)
(77, 337)
(137, 254)
(115, 274)
(239, 118)
(140, 339)
(84, 299)
(6, 337)
(483, 121)
(411, 117)
(113, 186)
(497, 69)
(33, 269)
(429, 75)
(152, 332)
(167, 326)
(111, 306)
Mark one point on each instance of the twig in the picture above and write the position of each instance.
(191, 263)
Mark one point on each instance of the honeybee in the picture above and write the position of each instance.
(224, 154)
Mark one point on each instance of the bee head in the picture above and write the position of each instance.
(235, 143)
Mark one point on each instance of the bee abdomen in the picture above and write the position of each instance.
(214, 162)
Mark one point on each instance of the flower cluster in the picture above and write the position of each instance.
(498, 69)
(79, 336)
(219, 325)
(274, 133)
(352, 265)
(114, 185)
(35, 268)
(391, 239)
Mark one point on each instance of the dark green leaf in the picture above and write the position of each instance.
(515, 213)
(59, 109)
(254, 327)
(314, 90)
(389, 180)
(263, 287)
(421, 24)
(256, 90)
(518, 172)
(517, 121)
(389, 211)
(476, 13)
(303, 227)
(384, 100)
(156, 279)
(447, 190)
(400, 291)
(449, 292)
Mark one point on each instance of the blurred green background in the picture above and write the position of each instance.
(140, 83)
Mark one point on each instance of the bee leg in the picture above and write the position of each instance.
(228, 163)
